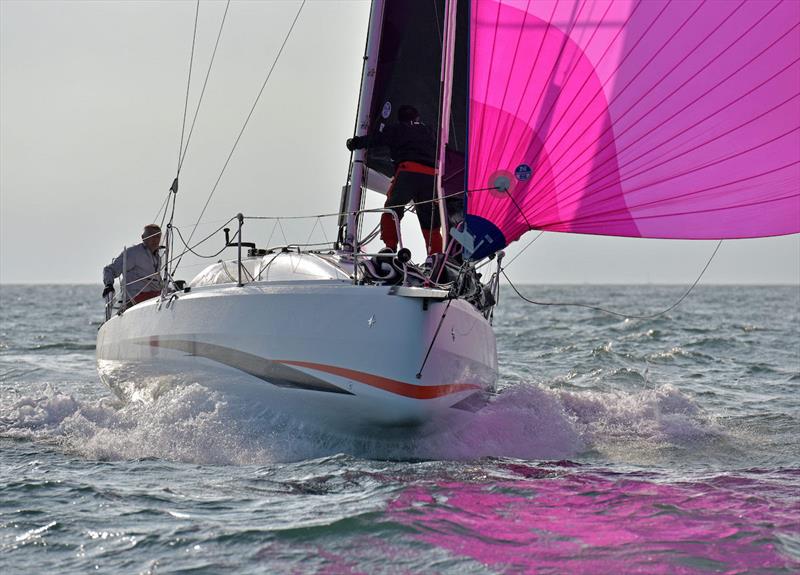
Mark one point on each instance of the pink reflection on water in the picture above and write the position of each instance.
(593, 523)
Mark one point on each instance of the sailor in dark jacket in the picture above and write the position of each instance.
(412, 147)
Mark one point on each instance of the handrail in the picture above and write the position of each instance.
(240, 217)
(124, 283)
(239, 243)
(357, 245)
(170, 286)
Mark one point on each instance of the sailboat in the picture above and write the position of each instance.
(637, 119)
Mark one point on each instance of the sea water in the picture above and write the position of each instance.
(669, 445)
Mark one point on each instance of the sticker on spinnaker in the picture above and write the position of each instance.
(523, 172)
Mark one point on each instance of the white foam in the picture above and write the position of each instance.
(193, 424)
(633, 426)
(187, 424)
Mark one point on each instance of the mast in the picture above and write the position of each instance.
(448, 55)
(359, 156)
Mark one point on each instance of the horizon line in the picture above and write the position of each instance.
(524, 283)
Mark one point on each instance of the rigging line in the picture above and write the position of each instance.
(511, 261)
(451, 121)
(311, 216)
(203, 91)
(283, 232)
(364, 65)
(205, 222)
(191, 249)
(374, 210)
(188, 84)
(516, 205)
(322, 229)
(610, 312)
(274, 227)
(658, 104)
(170, 237)
(311, 233)
(436, 18)
(433, 340)
(249, 115)
(371, 235)
(441, 321)
(179, 256)
(321, 245)
(439, 160)
(163, 205)
(473, 190)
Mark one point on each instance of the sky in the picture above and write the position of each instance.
(91, 107)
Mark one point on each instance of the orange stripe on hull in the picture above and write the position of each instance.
(391, 385)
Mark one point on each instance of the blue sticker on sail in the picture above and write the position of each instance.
(523, 172)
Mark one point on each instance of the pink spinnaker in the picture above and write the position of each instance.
(642, 119)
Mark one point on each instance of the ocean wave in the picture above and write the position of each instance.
(193, 424)
(712, 342)
(62, 345)
(677, 353)
(661, 415)
(188, 424)
(729, 526)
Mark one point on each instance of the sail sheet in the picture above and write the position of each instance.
(640, 119)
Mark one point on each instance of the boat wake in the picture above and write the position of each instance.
(193, 424)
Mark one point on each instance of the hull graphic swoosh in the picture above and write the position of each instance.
(273, 372)
(391, 385)
(279, 372)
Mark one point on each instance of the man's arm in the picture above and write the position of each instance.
(377, 138)
(111, 272)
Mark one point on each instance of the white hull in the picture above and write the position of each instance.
(331, 353)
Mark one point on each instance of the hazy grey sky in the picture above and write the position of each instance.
(91, 102)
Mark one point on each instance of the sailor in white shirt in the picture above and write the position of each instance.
(143, 264)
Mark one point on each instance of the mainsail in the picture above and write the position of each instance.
(639, 119)
(408, 72)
